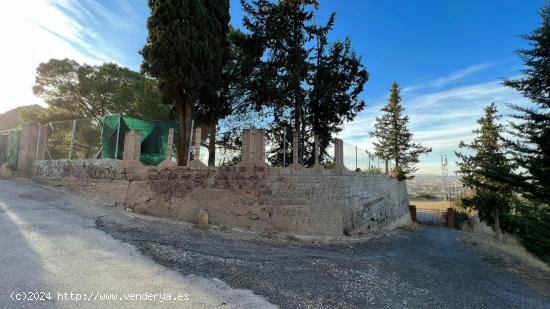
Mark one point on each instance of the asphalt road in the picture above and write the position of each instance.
(53, 240)
(49, 243)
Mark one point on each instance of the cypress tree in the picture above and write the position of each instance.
(394, 140)
(186, 51)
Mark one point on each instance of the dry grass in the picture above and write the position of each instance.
(412, 227)
(509, 254)
(429, 204)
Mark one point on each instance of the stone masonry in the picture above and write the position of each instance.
(252, 195)
(275, 199)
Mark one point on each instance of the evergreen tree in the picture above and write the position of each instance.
(307, 83)
(487, 171)
(225, 98)
(394, 140)
(186, 51)
(282, 29)
(532, 147)
(338, 78)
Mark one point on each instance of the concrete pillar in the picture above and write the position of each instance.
(338, 153)
(132, 145)
(260, 146)
(245, 149)
(198, 143)
(317, 149)
(295, 151)
(42, 142)
(27, 150)
(203, 218)
(169, 144)
(253, 145)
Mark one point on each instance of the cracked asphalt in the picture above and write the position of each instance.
(424, 269)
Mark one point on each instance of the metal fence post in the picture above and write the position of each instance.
(355, 158)
(190, 141)
(117, 137)
(37, 142)
(72, 140)
(284, 147)
(369, 166)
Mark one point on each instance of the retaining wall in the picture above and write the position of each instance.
(258, 197)
(312, 201)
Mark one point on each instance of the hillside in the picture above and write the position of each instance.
(12, 118)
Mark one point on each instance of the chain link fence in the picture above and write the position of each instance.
(224, 149)
(361, 160)
(104, 139)
(75, 139)
(78, 139)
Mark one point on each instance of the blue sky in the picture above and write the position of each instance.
(448, 56)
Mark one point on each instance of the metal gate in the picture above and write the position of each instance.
(431, 216)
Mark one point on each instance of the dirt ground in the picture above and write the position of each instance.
(508, 254)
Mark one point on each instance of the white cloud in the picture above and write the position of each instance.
(448, 79)
(35, 31)
(23, 27)
(439, 119)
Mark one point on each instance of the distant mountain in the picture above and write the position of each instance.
(12, 118)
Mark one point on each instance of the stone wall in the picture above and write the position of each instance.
(258, 197)
(251, 195)
(103, 169)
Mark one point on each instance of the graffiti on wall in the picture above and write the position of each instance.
(106, 172)
(81, 169)
(178, 181)
(57, 168)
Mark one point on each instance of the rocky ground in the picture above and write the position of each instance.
(425, 268)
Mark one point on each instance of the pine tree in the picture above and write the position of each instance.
(532, 147)
(487, 171)
(282, 29)
(82, 90)
(186, 51)
(307, 83)
(337, 80)
(394, 140)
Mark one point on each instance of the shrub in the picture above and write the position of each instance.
(461, 215)
(532, 224)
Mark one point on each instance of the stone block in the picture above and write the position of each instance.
(203, 218)
(132, 145)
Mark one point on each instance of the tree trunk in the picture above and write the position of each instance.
(212, 145)
(184, 116)
(497, 224)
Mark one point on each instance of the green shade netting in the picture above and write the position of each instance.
(13, 151)
(154, 137)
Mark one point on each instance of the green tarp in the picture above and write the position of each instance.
(154, 137)
(9, 147)
(15, 141)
